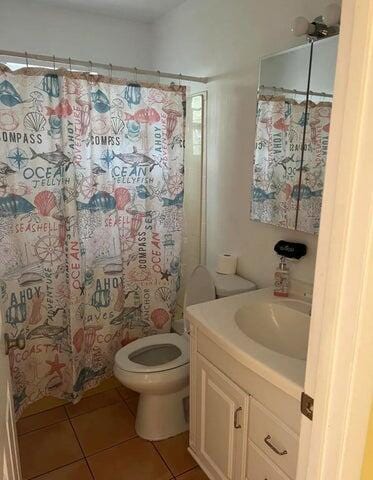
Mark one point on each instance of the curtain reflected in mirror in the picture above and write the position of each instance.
(292, 131)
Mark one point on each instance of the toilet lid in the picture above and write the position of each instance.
(156, 353)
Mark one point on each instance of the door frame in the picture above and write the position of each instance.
(339, 374)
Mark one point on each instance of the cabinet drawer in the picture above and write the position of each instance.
(274, 438)
(259, 467)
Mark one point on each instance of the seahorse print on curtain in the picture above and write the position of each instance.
(91, 212)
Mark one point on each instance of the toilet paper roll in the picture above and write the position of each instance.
(226, 264)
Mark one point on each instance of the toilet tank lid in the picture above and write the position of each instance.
(227, 285)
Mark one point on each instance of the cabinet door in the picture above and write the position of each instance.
(222, 416)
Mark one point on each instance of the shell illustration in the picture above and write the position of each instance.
(13, 205)
(78, 339)
(159, 317)
(164, 293)
(117, 125)
(100, 101)
(122, 197)
(100, 201)
(34, 121)
(45, 202)
(8, 121)
(9, 95)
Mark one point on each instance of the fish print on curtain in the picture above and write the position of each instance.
(278, 179)
(91, 197)
(278, 153)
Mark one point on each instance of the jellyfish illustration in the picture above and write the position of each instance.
(51, 85)
(159, 317)
(172, 116)
(122, 197)
(45, 201)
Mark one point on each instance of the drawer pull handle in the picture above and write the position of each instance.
(237, 411)
(272, 447)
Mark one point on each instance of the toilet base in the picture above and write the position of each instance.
(162, 416)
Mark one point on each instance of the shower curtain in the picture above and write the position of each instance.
(91, 201)
(279, 179)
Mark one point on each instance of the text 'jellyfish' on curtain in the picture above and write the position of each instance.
(91, 213)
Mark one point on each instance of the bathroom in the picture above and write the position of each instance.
(216, 53)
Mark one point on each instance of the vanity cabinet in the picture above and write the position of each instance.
(221, 422)
(235, 434)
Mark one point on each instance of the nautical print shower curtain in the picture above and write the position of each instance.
(91, 197)
(280, 178)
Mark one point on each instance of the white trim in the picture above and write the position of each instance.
(340, 364)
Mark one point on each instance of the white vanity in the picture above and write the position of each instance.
(247, 371)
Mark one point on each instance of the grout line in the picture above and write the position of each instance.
(54, 469)
(41, 428)
(163, 459)
(111, 446)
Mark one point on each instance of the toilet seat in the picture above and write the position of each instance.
(125, 358)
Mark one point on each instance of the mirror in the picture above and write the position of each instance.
(292, 131)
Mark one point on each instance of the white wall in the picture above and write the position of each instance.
(211, 37)
(224, 41)
(25, 26)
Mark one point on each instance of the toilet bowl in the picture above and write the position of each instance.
(157, 367)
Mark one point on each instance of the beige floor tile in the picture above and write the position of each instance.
(43, 404)
(75, 471)
(132, 404)
(195, 474)
(175, 453)
(93, 402)
(107, 384)
(48, 448)
(104, 427)
(126, 393)
(40, 420)
(136, 459)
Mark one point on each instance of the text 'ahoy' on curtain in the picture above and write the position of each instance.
(91, 213)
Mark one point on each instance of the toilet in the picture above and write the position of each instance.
(157, 367)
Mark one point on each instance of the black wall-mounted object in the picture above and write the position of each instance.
(290, 249)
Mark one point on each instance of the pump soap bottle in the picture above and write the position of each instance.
(281, 288)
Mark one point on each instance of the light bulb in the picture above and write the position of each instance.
(332, 14)
(301, 26)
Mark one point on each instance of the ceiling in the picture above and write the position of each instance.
(140, 10)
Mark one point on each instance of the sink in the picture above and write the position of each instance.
(281, 326)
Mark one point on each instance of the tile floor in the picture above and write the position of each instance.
(96, 440)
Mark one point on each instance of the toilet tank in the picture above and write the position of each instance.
(227, 285)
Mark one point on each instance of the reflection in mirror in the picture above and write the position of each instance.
(292, 131)
(319, 108)
(279, 134)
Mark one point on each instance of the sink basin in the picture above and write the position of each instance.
(281, 326)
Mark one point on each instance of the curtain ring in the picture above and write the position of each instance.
(90, 67)
(180, 79)
(159, 76)
(70, 65)
(26, 56)
(110, 71)
(54, 62)
(136, 74)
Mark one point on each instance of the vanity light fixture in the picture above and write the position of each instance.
(325, 25)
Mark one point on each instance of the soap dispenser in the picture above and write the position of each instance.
(281, 288)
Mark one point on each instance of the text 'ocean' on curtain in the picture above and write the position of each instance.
(91, 197)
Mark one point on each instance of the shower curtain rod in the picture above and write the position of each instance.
(71, 61)
(299, 92)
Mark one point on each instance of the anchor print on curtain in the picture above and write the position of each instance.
(91, 197)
